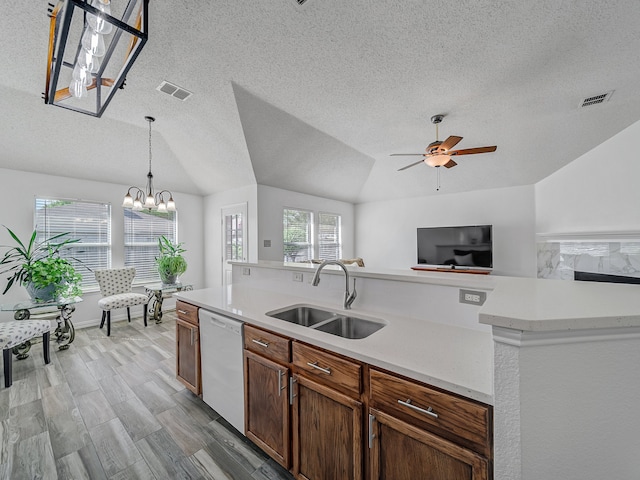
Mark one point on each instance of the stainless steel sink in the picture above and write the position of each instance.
(345, 326)
(350, 327)
(302, 315)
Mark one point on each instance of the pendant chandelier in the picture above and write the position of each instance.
(147, 199)
(92, 46)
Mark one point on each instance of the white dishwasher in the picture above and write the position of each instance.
(222, 366)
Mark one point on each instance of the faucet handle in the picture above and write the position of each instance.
(352, 296)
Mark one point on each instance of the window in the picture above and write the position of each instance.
(141, 232)
(297, 235)
(302, 244)
(90, 222)
(329, 236)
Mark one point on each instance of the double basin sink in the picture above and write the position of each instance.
(340, 324)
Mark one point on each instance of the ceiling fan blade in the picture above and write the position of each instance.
(450, 164)
(406, 154)
(471, 151)
(409, 166)
(450, 142)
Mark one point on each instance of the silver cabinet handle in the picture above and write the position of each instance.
(428, 411)
(184, 312)
(191, 333)
(371, 435)
(262, 344)
(317, 367)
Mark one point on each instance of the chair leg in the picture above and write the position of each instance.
(145, 314)
(104, 315)
(108, 323)
(129, 314)
(45, 347)
(6, 354)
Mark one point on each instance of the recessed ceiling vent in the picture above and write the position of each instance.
(596, 99)
(174, 90)
(300, 2)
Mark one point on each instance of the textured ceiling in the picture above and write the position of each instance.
(314, 98)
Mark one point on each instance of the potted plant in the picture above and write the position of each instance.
(39, 268)
(171, 263)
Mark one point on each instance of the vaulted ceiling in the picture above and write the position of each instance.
(315, 98)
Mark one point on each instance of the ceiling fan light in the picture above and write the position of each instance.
(437, 160)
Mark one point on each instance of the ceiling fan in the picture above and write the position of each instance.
(438, 154)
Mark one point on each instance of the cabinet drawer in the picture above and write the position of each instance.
(460, 420)
(267, 344)
(187, 312)
(328, 368)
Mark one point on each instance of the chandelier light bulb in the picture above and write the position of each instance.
(93, 43)
(97, 22)
(137, 204)
(171, 205)
(162, 207)
(77, 88)
(88, 61)
(128, 201)
(149, 202)
(82, 75)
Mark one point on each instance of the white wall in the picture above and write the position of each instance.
(596, 192)
(17, 197)
(271, 202)
(213, 205)
(386, 231)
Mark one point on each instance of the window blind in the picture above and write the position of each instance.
(141, 232)
(329, 236)
(297, 235)
(90, 222)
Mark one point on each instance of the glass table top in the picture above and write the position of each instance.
(29, 304)
(161, 287)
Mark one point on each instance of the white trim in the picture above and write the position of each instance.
(519, 338)
(612, 236)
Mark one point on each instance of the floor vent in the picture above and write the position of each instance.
(174, 90)
(595, 99)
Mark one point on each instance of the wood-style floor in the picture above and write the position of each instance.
(111, 408)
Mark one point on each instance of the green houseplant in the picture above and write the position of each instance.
(171, 263)
(39, 267)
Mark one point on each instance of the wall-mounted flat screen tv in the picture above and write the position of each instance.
(464, 246)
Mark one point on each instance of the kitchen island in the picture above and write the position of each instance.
(556, 359)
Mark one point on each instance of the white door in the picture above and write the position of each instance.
(234, 238)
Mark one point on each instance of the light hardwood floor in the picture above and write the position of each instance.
(110, 407)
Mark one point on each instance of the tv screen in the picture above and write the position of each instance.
(464, 246)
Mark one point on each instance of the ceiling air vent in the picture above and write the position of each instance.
(174, 90)
(300, 2)
(596, 99)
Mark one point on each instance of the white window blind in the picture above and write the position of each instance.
(297, 235)
(141, 232)
(90, 222)
(329, 236)
(233, 241)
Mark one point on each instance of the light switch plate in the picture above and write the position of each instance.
(297, 276)
(246, 271)
(267, 243)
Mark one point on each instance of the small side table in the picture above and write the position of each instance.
(61, 310)
(156, 293)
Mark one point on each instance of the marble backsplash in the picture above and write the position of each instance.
(559, 258)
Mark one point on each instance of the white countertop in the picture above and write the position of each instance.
(454, 358)
(531, 304)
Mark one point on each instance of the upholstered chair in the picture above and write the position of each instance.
(115, 287)
(13, 334)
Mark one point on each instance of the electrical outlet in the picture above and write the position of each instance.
(246, 271)
(297, 277)
(267, 243)
(472, 297)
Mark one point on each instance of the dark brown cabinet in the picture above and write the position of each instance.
(266, 384)
(327, 433)
(188, 370)
(326, 416)
(400, 451)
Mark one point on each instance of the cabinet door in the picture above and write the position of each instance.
(327, 433)
(188, 355)
(400, 451)
(266, 394)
